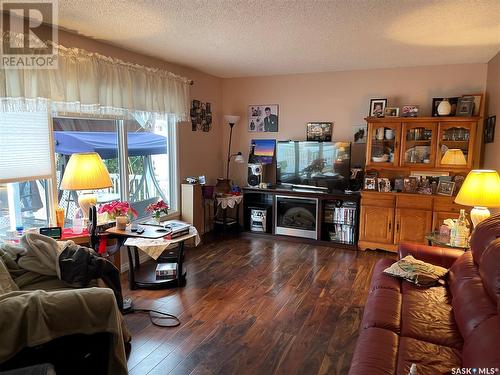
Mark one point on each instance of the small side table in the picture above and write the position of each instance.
(144, 276)
(437, 239)
(225, 202)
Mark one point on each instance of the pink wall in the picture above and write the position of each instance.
(491, 150)
(199, 152)
(339, 97)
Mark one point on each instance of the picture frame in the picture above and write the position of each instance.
(370, 183)
(391, 112)
(478, 102)
(410, 110)
(319, 131)
(263, 118)
(453, 102)
(377, 107)
(201, 116)
(465, 106)
(410, 185)
(489, 129)
(383, 185)
(445, 188)
(359, 133)
(398, 184)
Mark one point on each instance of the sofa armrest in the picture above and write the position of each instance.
(439, 256)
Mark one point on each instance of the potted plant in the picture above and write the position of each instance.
(118, 211)
(157, 209)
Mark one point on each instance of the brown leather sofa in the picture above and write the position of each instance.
(442, 328)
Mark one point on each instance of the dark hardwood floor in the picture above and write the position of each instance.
(256, 306)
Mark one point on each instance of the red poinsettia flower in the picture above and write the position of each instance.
(157, 208)
(117, 208)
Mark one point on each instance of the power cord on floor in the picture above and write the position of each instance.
(157, 320)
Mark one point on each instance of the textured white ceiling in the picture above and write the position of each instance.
(234, 38)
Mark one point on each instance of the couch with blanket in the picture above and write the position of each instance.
(442, 328)
(43, 318)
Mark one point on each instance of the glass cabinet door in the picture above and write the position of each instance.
(456, 143)
(383, 144)
(419, 144)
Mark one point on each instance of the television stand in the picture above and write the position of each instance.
(332, 221)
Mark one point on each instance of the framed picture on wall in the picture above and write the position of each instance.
(263, 117)
(319, 131)
(489, 129)
(359, 133)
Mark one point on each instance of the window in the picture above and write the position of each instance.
(142, 171)
(149, 173)
(25, 170)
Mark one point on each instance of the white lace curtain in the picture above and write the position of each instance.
(90, 83)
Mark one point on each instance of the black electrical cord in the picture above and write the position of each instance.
(157, 317)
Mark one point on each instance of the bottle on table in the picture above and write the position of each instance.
(78, 222)
(462, 230)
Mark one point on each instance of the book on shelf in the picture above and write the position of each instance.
(165, 271)
(346, 214)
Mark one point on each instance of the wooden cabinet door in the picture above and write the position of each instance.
(418, 144)
(412, 225)
(456, 135)
(383, 144)
(439, 217)
(377, 224)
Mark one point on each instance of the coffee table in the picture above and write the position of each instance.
(437, 239)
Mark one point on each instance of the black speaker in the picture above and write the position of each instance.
(254, 174)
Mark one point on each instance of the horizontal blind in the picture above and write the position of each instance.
(24, 146)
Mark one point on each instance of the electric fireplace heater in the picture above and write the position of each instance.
(296, 216)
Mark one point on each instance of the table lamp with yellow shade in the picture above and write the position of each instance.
(454, 156)
(86, 171)
(481, 189)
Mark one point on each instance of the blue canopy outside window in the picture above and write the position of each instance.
(106, 143)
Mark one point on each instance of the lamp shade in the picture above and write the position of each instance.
(239, 158)
(85, 171)
(454, 156)
(480, 188)
(232, 119)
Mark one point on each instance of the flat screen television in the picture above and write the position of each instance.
(322, 164)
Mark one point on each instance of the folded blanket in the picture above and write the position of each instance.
(36, 317)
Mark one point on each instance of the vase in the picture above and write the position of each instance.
(223, 186)
(444, 108)
(121, 222)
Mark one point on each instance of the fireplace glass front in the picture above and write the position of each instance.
(297, 216)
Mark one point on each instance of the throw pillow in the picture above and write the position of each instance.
(416, 271)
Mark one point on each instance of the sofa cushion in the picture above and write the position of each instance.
(431, 359)
(428, 318)
(471, 303)
(485, 232)
(489, 269)
(381, 280)
(376, 352)
(383, 310)
(416, 271)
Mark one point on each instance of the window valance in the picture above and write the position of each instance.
(90, 83)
